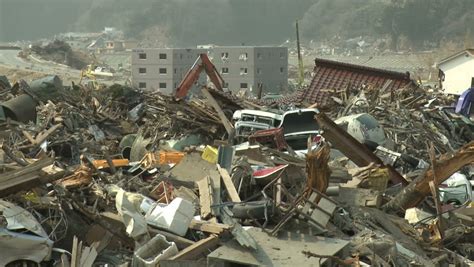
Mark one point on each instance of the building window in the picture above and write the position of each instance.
(259, 71)
(142, 70)
(259, 55)
(162, 70)
(225, 55)
(175, 85)
(142, 55)
(225, 85)
(142, 85)
(282, 70)
(225, 70)
(243, 56)
(243, 71)
(244, 86)
(174, 70)
(162, 85)
(163, 56)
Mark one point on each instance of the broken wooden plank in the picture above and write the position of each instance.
(81, 176)
(212, 101)
(27, 177)
(74, 255)
(103, 163)
(195, 251)
(205, 197)
(317, 169)
(416, 191)
(89, 254)
(35, 166)
(215, 179)
(41, 137)
(209, 227)
(352, 148)
(229, 185)
(29, 137)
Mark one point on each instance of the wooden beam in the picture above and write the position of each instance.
(36, 166)
(195, 251)
(352, 148)
(209, 227)
(317, 169)
(205, 197)
(416, 191)
(212, 101)
(229, 185)
(27, 177)
(215, 179)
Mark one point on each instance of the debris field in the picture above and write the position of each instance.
(120, 177)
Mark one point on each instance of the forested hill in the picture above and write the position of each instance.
(191, 22)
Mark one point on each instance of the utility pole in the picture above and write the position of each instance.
(300, 58)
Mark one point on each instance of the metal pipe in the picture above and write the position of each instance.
(21, 108)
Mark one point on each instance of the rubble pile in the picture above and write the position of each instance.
(411, 118)
(60, 52)
(119, 177)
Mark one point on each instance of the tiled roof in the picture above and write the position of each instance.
(334, 75)
(394, 62)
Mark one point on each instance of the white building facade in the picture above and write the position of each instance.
(457, 72)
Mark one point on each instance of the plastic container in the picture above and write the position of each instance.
(210, 154)
(153, 251)
(174, 217)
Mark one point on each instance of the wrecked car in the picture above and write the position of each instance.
(297, 126)
(249, 121)
(363, 127)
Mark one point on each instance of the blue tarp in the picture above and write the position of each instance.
(465, 102)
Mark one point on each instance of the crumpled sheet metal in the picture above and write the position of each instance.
(139, 148)
(19, 218)
(23, 238)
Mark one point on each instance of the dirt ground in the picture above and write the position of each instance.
(17, 74)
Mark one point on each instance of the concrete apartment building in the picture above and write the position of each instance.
(248, 67)
(162, 69)
(241, 67)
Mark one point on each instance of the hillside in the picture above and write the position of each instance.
(417, 23)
